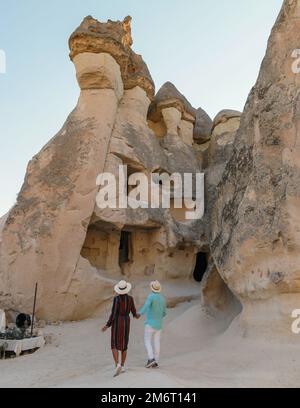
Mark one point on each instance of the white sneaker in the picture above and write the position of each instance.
(123, 370)
(118, 370)
(150, 363)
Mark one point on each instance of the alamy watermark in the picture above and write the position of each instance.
(296, 322)
(296, 63)
(2, 62)
(152, 190)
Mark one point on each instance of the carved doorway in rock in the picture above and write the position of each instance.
(125, 248)
(200, 267)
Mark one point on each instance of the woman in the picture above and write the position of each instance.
(119, 322)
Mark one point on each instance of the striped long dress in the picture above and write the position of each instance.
(119, 321)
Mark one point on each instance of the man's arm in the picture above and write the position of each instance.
(146, 306)
(165, 309)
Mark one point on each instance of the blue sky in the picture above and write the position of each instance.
(211, 50)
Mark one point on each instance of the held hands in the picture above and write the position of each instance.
(104, 328)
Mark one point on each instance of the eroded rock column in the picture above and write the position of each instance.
(45, 231)
(256, 239)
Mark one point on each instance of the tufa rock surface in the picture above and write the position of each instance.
(203, 127)
(255, 232)
(249, 235)
(169, 96)
(113, 38)
(56, 234)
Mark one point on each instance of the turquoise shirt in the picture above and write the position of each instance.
(155, 309)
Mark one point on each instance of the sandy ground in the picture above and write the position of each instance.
(196, 352)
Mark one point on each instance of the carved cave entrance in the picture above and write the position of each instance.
(125, 247)
(200, 267)
(113, 251)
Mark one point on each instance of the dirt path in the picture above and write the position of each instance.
(194, 353)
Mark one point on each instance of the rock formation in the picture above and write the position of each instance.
(219, 151)
(203, 126)
(245, 249)
(256, 218)
(56, 234)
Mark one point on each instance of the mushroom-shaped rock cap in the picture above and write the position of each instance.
(168, 96)
(225, 115)
(203, 126)
(114, 38)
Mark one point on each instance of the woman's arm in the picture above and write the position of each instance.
(133, 310)
(113, 314)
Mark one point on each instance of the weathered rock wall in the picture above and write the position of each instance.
(56, 235)
(255, 239)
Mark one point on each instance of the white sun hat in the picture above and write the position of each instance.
(123, 287)
(155, 286)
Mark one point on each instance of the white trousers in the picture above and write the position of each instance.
(152, 342)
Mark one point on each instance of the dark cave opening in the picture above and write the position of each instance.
(124, 248)
(201, 266)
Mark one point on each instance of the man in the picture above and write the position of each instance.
(155, 310)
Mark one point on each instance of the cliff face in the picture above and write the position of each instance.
(56, 234)
(246, 247)
(255, 235)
